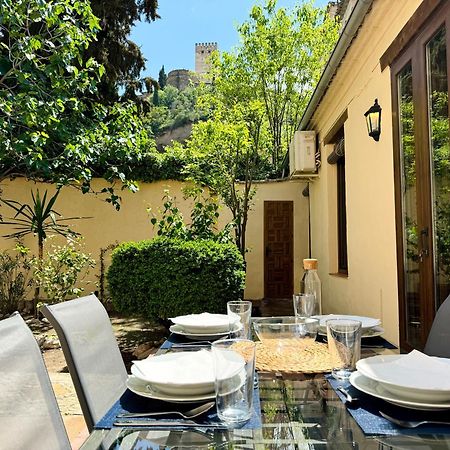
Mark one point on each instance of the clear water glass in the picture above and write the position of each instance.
(239, 312)
(234, 368)
(304, 305)
(344, 344)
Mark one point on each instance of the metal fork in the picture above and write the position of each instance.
(413, 423)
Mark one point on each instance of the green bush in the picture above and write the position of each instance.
(163, 277)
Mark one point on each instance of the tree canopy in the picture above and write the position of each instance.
(258, 95)
(122, 58)
(50, 126)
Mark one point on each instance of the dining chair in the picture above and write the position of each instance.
(91, 352)
(29, 413)
(438, 341)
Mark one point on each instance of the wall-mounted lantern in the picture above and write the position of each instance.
(373, 119)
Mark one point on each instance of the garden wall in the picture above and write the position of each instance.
(106, 225)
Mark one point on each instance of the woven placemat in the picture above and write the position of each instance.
(292, 356)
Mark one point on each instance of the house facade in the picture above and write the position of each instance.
(380, 209)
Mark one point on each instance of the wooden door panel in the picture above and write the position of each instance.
(278, 244)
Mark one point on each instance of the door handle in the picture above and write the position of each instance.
(267, 250)
(425, 251)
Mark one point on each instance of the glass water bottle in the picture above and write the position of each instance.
(310, 283)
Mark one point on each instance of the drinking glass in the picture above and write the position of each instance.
(239, 312)
(304, 304)
(234, 368)
(344, 344)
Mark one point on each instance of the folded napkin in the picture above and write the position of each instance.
(424, 371)
(183, 367)
(204, 319)
(414, 370)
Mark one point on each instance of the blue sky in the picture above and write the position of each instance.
(171, 39)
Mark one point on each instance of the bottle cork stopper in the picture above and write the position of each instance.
(310, 264)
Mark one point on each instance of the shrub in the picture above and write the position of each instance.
(61, 269)
(14, 279)
(163, 277)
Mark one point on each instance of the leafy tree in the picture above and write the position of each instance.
(162, 78)
(50, 127)
(283, 54)
(121, 57)
(222, 147)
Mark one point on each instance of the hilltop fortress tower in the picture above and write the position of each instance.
(182, 78)
(202, 54)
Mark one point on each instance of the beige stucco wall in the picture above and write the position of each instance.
(371, 286)
(132, 223)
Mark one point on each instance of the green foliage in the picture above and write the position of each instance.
(175, 108)
(38, 219)
(51, 127)
(63, 267)
(283, 54)
(162, 78)
(164, 277)
(224, 147)
(14, 279)
(121, 57)
(204, 217)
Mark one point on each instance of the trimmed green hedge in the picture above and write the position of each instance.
(163, 277)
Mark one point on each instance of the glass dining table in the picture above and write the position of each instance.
(298, 411)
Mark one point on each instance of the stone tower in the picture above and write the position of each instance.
(202, 54)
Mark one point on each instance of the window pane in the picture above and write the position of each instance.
(409, 206)
(440, 161)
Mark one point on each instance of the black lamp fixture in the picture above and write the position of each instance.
(373, 119)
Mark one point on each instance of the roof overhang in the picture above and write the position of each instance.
(345, 39)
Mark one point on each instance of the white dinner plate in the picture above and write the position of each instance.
(372, 387)
(178, 373)
(204, 323)
(366, 322)
(366, 333)
(177, 329)
(143, 389)
(424, 379)
(185, 373)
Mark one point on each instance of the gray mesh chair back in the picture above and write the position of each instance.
(29, 414)
(438, 342)
(91, 352)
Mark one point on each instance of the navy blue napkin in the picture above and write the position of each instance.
(132, 403)
(369, 342)
(366, 412)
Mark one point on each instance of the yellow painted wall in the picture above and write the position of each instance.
(132, 223)
(371, 286)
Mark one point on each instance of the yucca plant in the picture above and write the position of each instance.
(38, 218)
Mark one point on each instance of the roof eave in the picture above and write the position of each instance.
(348, 33)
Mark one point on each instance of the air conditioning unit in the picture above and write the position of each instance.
(302, 153)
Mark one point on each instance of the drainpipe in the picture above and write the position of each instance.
(348, 33)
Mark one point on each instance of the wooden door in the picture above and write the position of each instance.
(420, 79)
(279, 249)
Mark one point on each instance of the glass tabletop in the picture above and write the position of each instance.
(299, 411)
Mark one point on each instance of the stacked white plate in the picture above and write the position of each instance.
(414, 380)
(370, 326)
(179, 377)
(204, 326)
